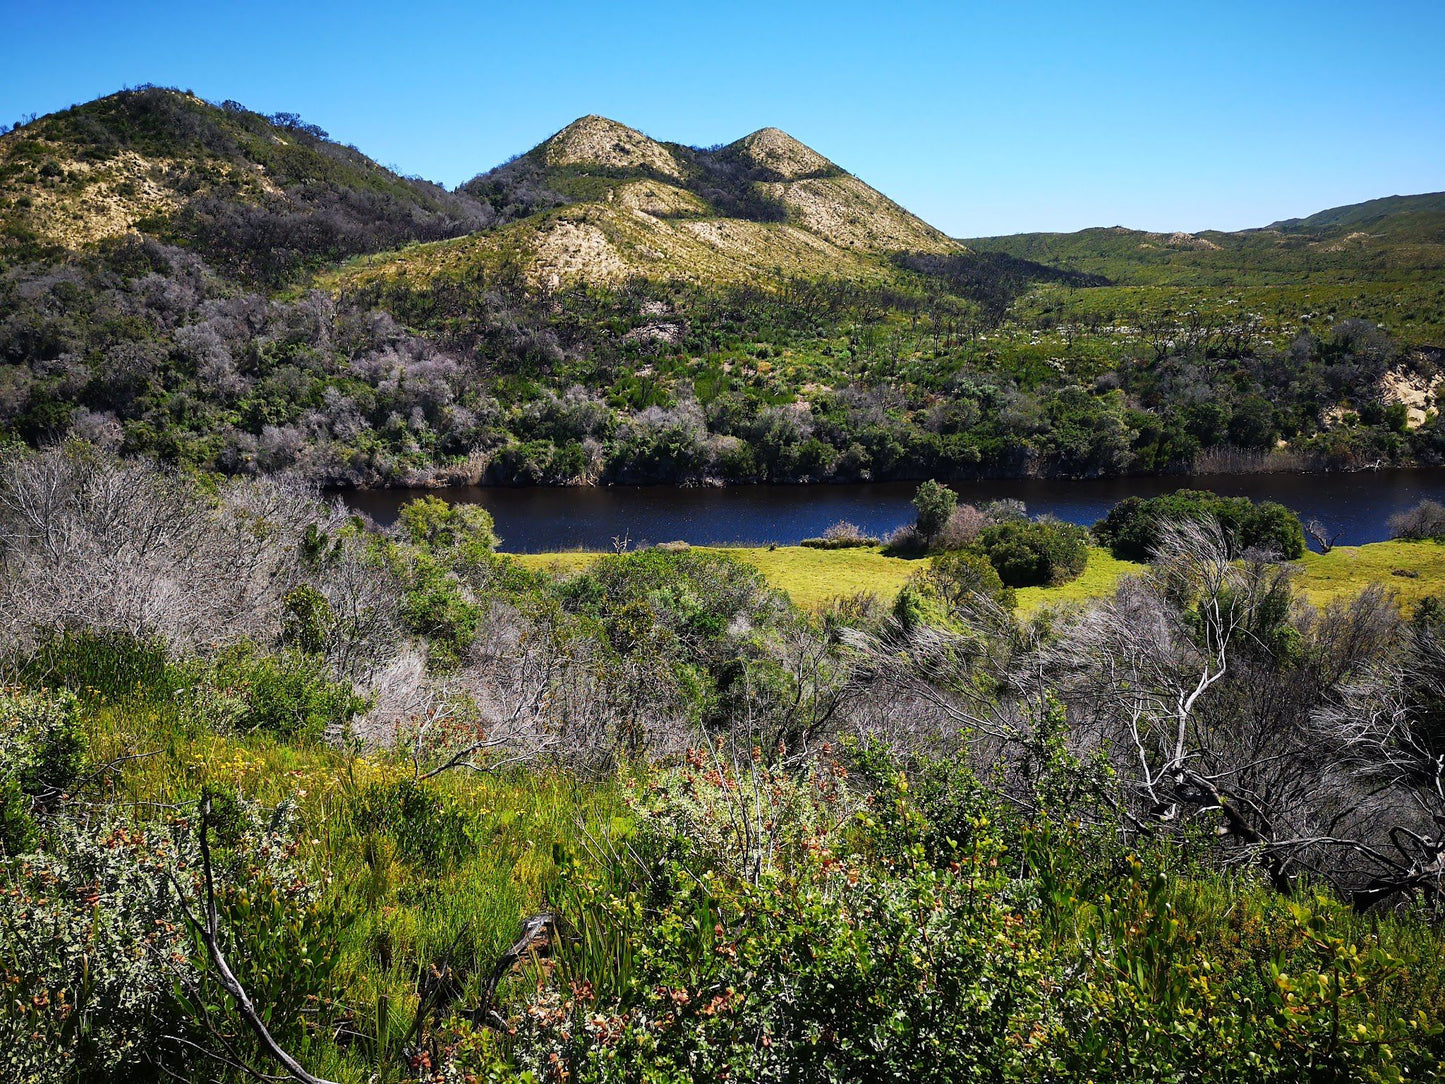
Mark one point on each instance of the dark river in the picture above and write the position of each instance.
(535, 520)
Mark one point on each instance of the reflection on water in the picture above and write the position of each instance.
(533, 520)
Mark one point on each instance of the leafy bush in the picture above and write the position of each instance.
(306, 619)
(288, 695)
(436, 607)
(960, 530)
(104, 980)
(949, 584)
(94, 949)
(841, 536)
(440, 526)
(934, 504)
(1131, 530)
(42, 749)
(1028, 554)
(686, 594)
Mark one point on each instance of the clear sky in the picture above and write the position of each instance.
(981, 117)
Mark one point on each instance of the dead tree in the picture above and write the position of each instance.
(1321, 535)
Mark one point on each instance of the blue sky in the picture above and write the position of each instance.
(982, 118)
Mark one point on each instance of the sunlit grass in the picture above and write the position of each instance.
(1410, 569)
(814, 577)
(404, 916)
(1100, 576)
(810, 577)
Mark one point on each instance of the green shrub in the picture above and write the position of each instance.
(439, 525)
(428, 832)
(950, 582)
(306, 619)
(1131, 530)
(689, 595)
(935, 504)
(104, 980)
(435, 605)
(112, 665)
(42, 749)
(1029, 554)
(288, 695)
(947, 936)
(93, 947)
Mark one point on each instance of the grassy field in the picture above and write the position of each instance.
(812, 577)
(1411, 569)
(406, 903)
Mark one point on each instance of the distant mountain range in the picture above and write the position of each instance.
(1402, 234)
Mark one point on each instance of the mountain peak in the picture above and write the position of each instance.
(774, 150)
(597, 141)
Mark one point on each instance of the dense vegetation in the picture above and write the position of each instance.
(283, 793)
(275, 784)
(219, 332)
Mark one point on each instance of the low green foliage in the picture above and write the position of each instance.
(948, 585)
(288, 695)
(1131, 530)
(1029, 554)
(427, 831)
(116, 665)
(935, 935)
(42, 750)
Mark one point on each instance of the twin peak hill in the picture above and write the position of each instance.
(602, 202)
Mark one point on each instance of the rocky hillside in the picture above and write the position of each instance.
(603, 203)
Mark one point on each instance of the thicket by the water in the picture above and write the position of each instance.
(283, 793)
(147, 349)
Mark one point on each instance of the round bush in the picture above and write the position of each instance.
(1132, 528)
(1035, 554)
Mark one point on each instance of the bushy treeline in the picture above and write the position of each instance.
(147, 348)
(261, 762)
(143, 347)
(800, 382)
(198, 342)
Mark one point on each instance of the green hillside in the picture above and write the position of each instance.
(601, 203)
(264, 197)
(1405, 217)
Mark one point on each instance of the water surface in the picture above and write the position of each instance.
(535, 520)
